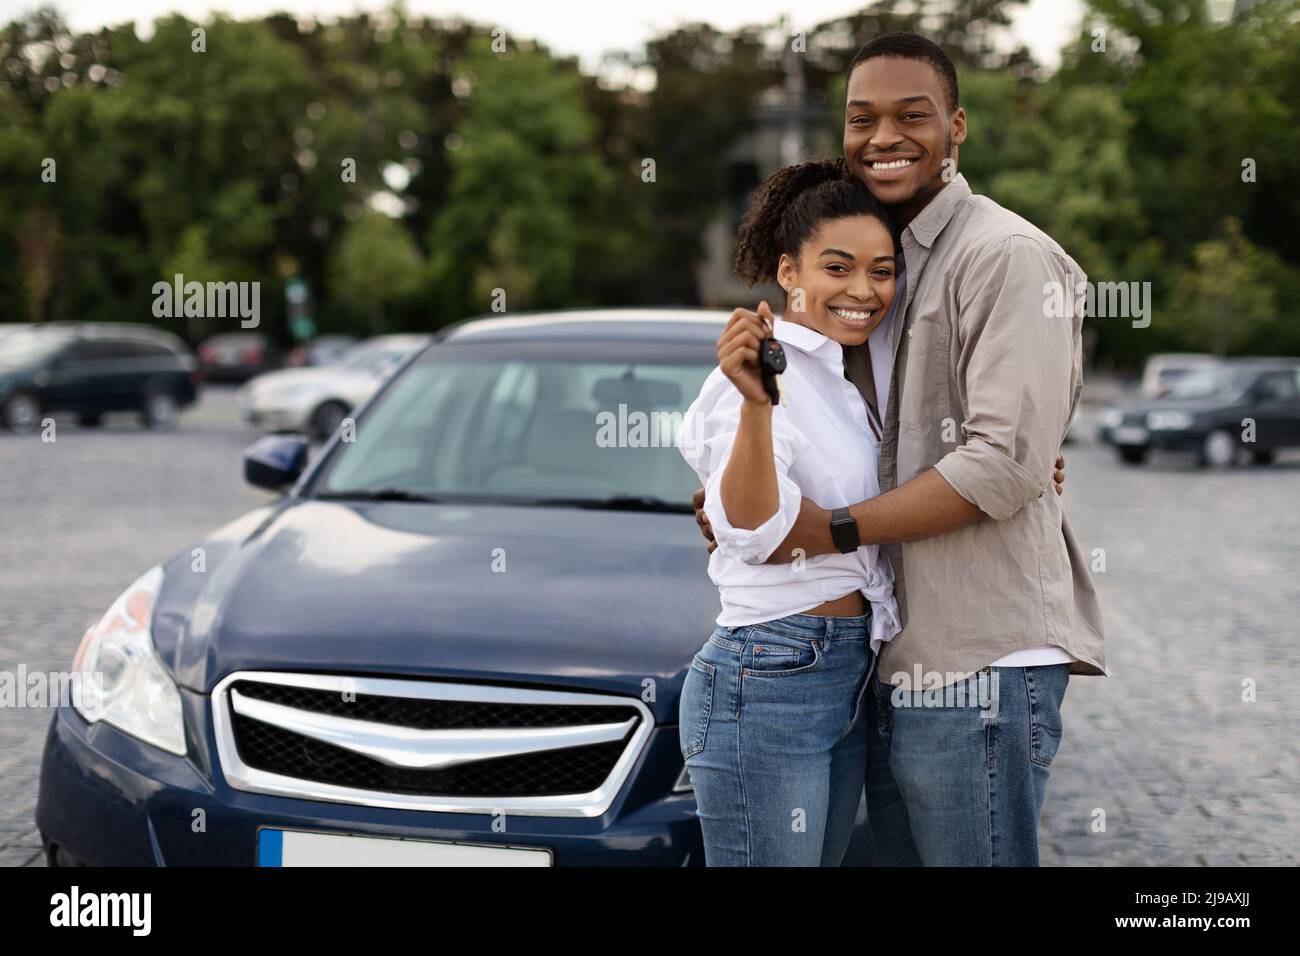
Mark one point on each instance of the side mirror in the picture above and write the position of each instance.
(275, 462)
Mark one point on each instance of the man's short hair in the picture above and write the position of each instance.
(913, 46)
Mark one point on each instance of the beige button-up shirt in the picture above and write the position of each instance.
(985, 380)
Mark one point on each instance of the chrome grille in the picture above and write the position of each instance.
(426, 745)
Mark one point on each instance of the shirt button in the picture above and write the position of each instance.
(909, 333)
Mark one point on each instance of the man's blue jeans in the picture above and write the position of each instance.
(774, 733)
(949, 786)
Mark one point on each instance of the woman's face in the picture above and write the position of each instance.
(843, 282)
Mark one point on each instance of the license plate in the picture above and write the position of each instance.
(1131, 435)
(305, 848)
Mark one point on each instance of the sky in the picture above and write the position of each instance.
(585, 29)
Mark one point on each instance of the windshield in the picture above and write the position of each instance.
(373, 357)
(1213, 383)
(473, 422)
(31, 346)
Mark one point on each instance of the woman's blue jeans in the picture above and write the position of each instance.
(774, 735)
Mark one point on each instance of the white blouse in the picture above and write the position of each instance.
(824, 449)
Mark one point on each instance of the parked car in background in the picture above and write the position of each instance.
(354, 679)
(316, 400)
(92, 369)
(1233, 409)
(322, 350)
(237, 356)
(1164, 370)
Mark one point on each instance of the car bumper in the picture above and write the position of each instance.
(1176, 440)
(107, 799)
(1163, 439)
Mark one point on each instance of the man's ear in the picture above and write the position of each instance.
(958, 126)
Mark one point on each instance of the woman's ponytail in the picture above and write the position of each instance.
(788, 208)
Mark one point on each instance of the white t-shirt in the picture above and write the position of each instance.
(824, 448)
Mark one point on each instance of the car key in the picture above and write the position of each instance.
(771, 362)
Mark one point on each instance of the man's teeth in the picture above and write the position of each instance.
(896, 164)
(852, 315)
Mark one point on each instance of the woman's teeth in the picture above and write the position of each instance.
(896, 164)
(851, 315)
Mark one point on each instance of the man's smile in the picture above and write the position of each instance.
(888, 168)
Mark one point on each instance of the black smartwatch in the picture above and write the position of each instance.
(844, 531)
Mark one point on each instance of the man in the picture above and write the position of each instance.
(978, 383)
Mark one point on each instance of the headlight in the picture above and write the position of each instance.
(119, 677)
(1112, 418)
(1169, 421)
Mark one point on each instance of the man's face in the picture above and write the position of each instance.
(898, 130)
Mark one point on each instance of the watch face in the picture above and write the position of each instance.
(844, 533)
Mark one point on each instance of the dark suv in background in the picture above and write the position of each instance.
(94, 368)
(1238, 408)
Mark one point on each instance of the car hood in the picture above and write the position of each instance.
(616, 601)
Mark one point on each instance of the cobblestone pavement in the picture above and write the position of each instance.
(1200, 594)
(1202, 602)
(80, 519)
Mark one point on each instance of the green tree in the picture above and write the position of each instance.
(1228, 299)
(375, 270)
(524, 175)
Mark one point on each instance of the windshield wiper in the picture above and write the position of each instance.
(381, 494)
(620, 503)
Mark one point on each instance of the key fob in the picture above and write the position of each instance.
(771, 361)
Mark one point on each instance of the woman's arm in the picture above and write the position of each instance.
(734, 423)
(750, 495)
(749, 491)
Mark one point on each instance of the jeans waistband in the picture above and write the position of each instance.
(821, 627)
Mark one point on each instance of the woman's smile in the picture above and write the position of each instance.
(852, 318)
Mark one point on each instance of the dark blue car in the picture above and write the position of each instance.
(459, 638)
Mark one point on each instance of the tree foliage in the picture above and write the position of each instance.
(407, 168)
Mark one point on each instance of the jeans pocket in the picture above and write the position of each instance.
(1046, 689)
(771, 654)
(695, 707)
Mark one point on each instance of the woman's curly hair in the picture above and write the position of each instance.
(790, 206)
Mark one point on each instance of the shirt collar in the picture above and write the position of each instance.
(809, 341)
(931, 220)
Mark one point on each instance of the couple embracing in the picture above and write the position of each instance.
(902, 598)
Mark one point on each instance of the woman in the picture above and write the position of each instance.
(772, 725)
